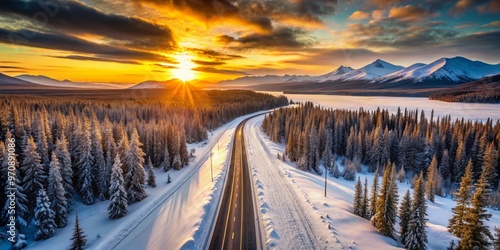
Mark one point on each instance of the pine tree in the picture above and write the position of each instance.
(350, 171)
(490, 161)
(401, 175)
(151, 173)
(417, 237)
(430, 185)
(358, 198)
(64, 158)
(457, 223)
(385, 217)
(405, 216)
(374, 195)
(451, 246)
(335, 170)
(99, 162)
(44, 216)
(165, 164)
(169, 179)
(364, 203)
(32, 169)
(56, 193)
(476, 234)
(85, 165)
(135, 176)
(20, 198)
(496, 242)
(118, 206)
(78, 239)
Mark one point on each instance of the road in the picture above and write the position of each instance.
(235, 227)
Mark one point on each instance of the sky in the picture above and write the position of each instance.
(131, 41)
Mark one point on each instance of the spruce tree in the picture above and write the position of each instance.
(118, 206)
(405, 216)
(387, 203)
(64, 158)
(401, 175)
(358, 198)
(364, 203)
(496, 242)
(374, 195)
(431, 185)
(44, 216)
(165, 164)
(151, 173)
(85, 165)
(78, 239)
(135, 176)
(457, 222)
(335, 170)
(20, 197)
(476, 235)
(417, 236)
(33, 172)
(56, 193)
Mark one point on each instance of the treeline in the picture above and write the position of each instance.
(100, 149)
(437, 154)
(409, 139)
(492, 96)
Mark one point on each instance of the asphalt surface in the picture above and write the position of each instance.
(235, 225)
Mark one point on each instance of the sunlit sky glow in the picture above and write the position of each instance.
(132, 41)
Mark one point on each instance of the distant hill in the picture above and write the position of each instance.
(7, 82)
(157, 84)
(256, 80)
(485, 90)
(44, 80)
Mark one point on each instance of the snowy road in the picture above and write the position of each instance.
(295, 225)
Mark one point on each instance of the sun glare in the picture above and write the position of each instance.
(184, 70)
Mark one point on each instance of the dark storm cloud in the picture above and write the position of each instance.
(76, 18)
(254, 12)
(278, 38)
(70, 43)
(97, 59)
(212, 54)
(219, 71)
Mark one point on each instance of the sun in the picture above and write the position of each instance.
(184, 70)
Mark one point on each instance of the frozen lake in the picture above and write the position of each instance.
(473, 111)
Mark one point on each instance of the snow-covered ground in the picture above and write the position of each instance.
(173, 216)
(274, 179)
(473, 111)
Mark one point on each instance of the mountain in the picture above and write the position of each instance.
(7, 82)
(157, 84)
(456, 69)
(371, 71)
(334, 74)
(44, 80)
(402, 74)
(256, 80)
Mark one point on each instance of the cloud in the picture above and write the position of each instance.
(63, 42)
(409, 13)
(207, 63)
(465, 5)
(97, 59)
(76, 18)
(212, 54)
(385, 3)
(494, 24)
(465, 25)
(11, 67)
(281, 38)
(359, 15)
(378, 14)
(492, 7)
(219, 71)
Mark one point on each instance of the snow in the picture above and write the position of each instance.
(473, 111)
(173, 216)
(457, 69)
(348, 230)
(332, 75)
(256, 80)
(371, 71)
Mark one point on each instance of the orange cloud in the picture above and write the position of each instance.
(378, 14)
(359, 15)
(408, 13)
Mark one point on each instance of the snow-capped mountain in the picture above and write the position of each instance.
(12, 82)
(256, 80)
(334, 74)
(456, 69)
(371, 71)
(47, 81)
(403, 73)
